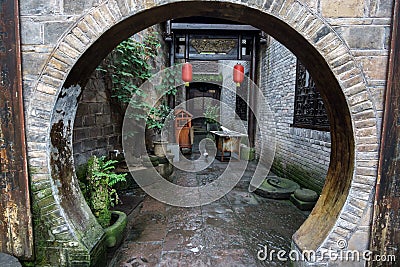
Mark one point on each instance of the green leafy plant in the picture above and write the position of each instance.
(170, 78)
(157, 117)
(99, 192)
(129, 65)
(211, 114)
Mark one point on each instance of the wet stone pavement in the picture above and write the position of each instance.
(227, 232)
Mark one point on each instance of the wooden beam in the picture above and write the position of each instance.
(385, 236)
(211, 57)
(15, 217)
(202, 26)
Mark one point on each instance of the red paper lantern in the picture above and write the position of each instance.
(187, 73)
(238, 74)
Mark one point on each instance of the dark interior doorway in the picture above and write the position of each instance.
(202, 96)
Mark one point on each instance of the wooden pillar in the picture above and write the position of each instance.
(15, 216)
(252, 95)
(385, 236)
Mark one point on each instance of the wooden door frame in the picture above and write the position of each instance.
(16, 234)
(385, 235)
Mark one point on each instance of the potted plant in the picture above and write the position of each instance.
(156, 122)
(211, 115)
(101, 196)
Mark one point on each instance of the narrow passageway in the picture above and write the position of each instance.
(227, 232)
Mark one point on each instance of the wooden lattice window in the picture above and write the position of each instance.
(241, 106)
(309, 109)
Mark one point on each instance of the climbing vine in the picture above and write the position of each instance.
(129, 65)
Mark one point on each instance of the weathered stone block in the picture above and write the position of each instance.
(381, 8)
(75, 42)
(365, 123)
(89, 120)
(368, 114)
(51, 81)
(44, 185)
(52, 31)
(100, 20)
(31, 32)
(342, 8)
(46, 88)
(359, 203)
(291, 12)
(377, 93)
(353, 81)
(39, 7)
(86, 31)
(95, 108)
(54, 73)
(115, 12)
(61, 56)
(374, 67)
(72, 53)
(359, 98)
(92, 25)
(77, 6)
(338, 57)
(285, 7)
(35, 61)
(58, 65)
(81, 35)
(370, 131)
(107, 15)
(123, 7)
(363, 37)
(36, 146)
(102, 119)
(81, 134)
(359, 242)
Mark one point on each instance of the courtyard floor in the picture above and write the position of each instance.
(228, 232)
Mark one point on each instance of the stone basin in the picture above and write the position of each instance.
(277, 188)
(114, 233)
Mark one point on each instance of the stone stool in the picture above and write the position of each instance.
(304, 199)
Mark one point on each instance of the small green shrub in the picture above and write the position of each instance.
(98, 190)
(211, 114)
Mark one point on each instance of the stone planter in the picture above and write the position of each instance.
(174, 148)
(150, 161)
(114, 233)
(160, 148)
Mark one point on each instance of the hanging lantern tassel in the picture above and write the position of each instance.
(238, 74)
(187, 73)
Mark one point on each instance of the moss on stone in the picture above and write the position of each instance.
(304, 177)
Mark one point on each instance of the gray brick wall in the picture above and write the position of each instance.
(301, 154)
(98, 122)
(229, 118)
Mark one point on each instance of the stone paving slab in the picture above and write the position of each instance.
(8, 261)
(227, 232)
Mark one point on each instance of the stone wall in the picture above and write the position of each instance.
(345, 43)
(98, 122)
(301, 154)
(229, 118)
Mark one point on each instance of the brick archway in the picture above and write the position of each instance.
(345, 199)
